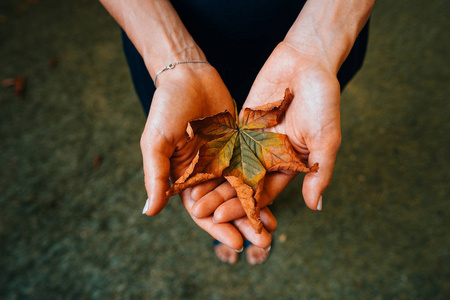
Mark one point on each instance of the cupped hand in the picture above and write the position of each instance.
(312, 123)
(187, 92)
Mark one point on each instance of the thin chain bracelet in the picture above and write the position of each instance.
(172, 65)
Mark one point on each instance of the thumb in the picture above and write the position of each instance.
(314, 184)
(156, 153)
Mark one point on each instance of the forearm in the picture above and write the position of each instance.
(156, 30)
(329, 28)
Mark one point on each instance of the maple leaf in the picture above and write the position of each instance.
(242, 153)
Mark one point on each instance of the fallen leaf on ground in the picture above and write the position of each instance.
(18, 83)
(19, 86)
(7, 82)
(242, 153)
(97, 160)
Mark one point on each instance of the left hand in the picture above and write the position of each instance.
(166, 151)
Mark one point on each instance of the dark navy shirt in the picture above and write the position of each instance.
(237, 37)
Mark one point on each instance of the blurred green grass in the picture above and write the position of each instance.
(69, 230)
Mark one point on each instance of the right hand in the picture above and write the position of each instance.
(185, 93)
(312, 123)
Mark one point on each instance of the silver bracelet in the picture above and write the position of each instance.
(172, 65)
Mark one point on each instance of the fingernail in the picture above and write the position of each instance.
(319, 205)
(214, 221)
(145, 207)
(194, 217)
(271, 202)
(267, 249)
(240, 250)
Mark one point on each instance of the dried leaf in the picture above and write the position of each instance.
(19, 86)
(212, 127)
(248, 200)
(266, 115)
(242, 153)
(7, 82)
(97, 160)
(18, 83)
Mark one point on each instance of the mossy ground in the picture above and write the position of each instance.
(69, 230)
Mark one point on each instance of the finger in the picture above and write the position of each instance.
(156, 152)
(315, 184)
(274, 183)
(261, 240)
(268, 220)
(225, 233)
(208, 203)
(229, 211)
(198, 191)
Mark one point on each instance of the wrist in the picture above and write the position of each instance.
(304, 57)
(156, 31)
(330, 47)
(187, 75)
(328, 30)
(169, 41)
(157, 59)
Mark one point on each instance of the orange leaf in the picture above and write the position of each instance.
(212, 127)
(245, 195)
(242, 154)
(266, 115)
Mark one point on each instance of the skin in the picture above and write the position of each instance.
(306, 61)
(316, 93)
(160, 37)
(254, 254)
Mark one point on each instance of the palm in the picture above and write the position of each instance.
(312, 121)
(166, 151)
(178, 102)
(315, 108)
